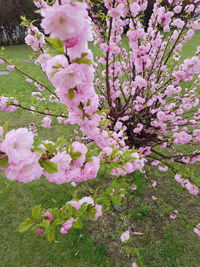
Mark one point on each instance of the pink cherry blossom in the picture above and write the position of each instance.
(63, 21)
(62, 161)
(26, 170)
(35, 39)
(154, 197)
(117, 12)
(125, 236)
(74, 204)
(10, 68)
(46, 122)
(90, 170)
(163, 168)
(87, 200)
(98, 211)
(154, 184)
(67, 226)
(40, 3)
(134, 187)
(17, 145)
(193, 189)
(81, 148)
(135, 9)
(177, 9)
(197, 229)
(173, 216)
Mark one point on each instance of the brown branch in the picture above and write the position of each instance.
(27, 75)
(38, 111)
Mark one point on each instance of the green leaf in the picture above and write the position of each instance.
(38, 35)
(5, 127)
(78, 223)
(59, 66)
(36, 212)
(116, 199)
(83, 210)
(55, 212)
(84, 55)
(39, 149)
(114, 153)
(49, 166)
(51, 234)
(66, 210)
(80, 107)
(25, 225)
(85, 61)
(56, 43)
(105, 122)
(71, 94)
(45, 224)
(50, 147)
(91, 213)
(24, 21)
(61, 142)
(4, 162)
(23, 18)
(76, 155)
(71, 149)
(58, 221)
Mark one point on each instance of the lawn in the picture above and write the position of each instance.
(164, 243)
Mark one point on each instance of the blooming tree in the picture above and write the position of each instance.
(135, 105)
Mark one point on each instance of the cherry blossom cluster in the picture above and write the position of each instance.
(6, 104)
(35, 39)
(70, 215)
(77, 170)
(144, 84)
(71, 72)
(24, 161)
(193, 189)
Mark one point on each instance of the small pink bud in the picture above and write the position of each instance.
(48, 216)
(71, 43)
(39, 231)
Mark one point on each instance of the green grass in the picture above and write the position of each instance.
(190, 47)
(164, 243)
(167, 242)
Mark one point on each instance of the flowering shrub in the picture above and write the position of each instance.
(135, 105)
